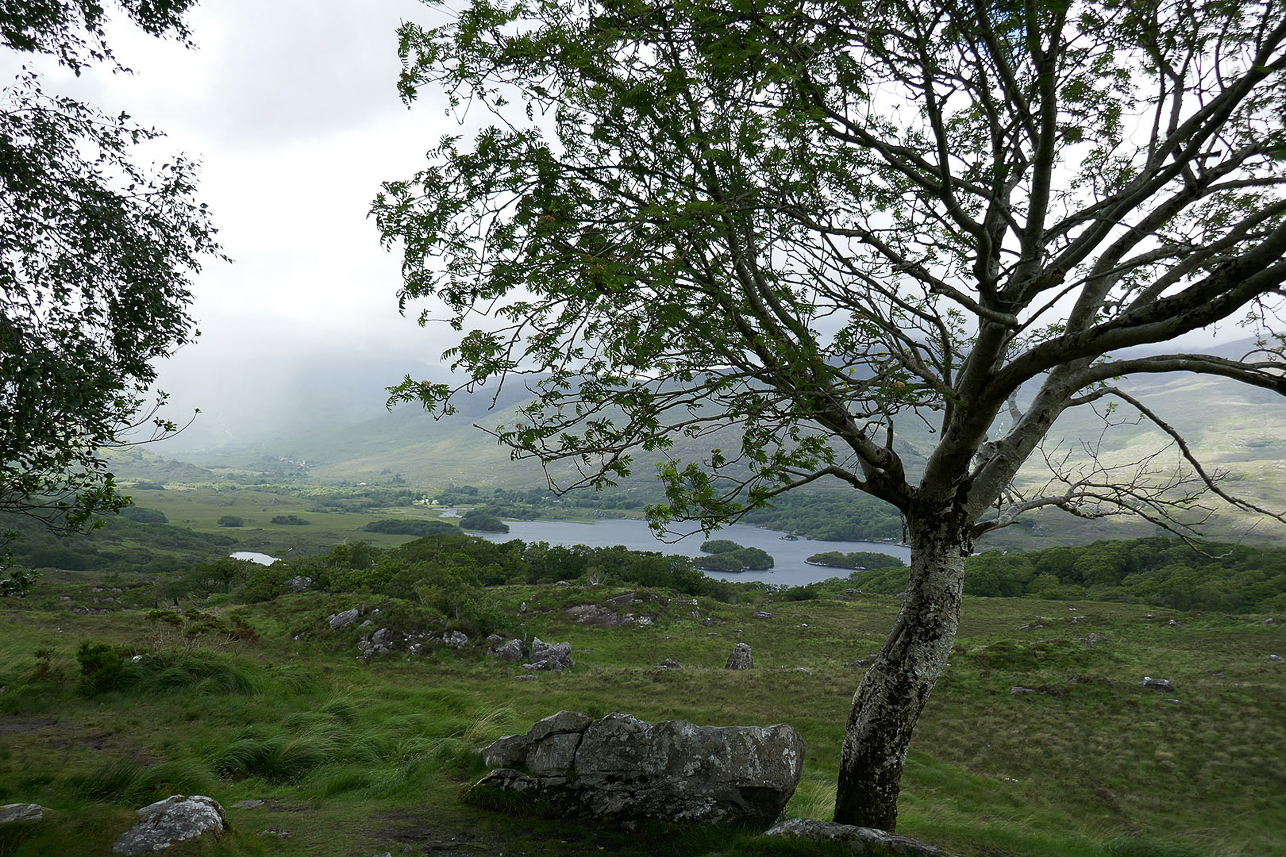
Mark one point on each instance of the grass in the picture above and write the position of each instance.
(358, 758)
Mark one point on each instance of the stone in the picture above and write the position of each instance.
(1094, 639)
(858, 841)
(557, 657)
(1173, 623)
(300, 582)
(1275, 658)
(511, 650)
(343, 620)
(278, 832)
(706, 622)
(622, 600)
(494, 640)
(1270, 621)
(619, 769)
(1158, 684)
(175, 819)
(669, 664)
(16, 812)
(761, 614)
(456, 639)
(1019, 690)
(741, 658)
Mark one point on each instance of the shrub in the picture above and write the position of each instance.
(290, 521)
(104, 667)
(230, 521)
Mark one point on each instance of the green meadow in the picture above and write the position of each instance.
(101, 714)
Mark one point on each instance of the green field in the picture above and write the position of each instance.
(357, 758)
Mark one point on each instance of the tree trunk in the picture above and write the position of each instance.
(888, 702)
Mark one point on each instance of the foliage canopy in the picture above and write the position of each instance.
(96, 256)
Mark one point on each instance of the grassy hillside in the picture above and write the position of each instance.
(356, 757)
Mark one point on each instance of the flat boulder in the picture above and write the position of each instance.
(619, 769)
(167, 822)
(12, 813)
(858, 841)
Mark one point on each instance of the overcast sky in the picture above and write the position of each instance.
(292, 107)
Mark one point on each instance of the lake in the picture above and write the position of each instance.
(788, 556)
(253, 556)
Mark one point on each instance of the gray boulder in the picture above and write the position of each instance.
(557, 657)
(300, 582)
(858, 841)
(15, 812)
(622, 769)
(1158, 684)
(175, 819)
(741, 658)
(343, 620)
(512, 650)
(456, 639)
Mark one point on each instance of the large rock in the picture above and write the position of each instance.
(620, 768)
(557, 657)
(741, 658)
(512, 650)
(858, 841)
(175, 819)
(344, 619)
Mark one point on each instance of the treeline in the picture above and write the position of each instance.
(120, 544)
(856, 560)
(841, 516)
(1167, 572)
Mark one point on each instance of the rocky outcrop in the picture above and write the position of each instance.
(858, 841)
(620, 768)
(741, 658)
(344, 619)
(557, 657)
(175, 819)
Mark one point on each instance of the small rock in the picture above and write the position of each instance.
(804, 670)
(1270, 621)
(1157, 683)
(343, 620)
(456, 640)
(668, 664)
(1019, 689)
(1094, 639)
(1275, 658)
(494, 640)
(300, 582)
(561, 583)
(1173, 623)
(706, 622)
(741, 658)
(761, 614)
(527, 676)
(366, 624)
(522, 608)
(15, 812)
(1175, 701)
(275, 831)
(621, 600)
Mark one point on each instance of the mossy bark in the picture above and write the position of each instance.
(889, 700)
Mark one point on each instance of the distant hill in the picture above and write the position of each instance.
(1234, 428)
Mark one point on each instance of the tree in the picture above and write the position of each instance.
(96, 255)
(818, 223)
